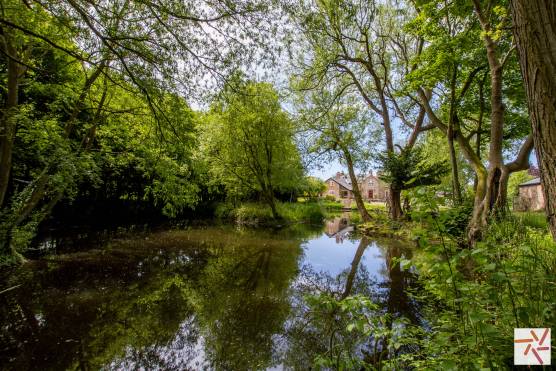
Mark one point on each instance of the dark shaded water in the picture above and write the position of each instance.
(204, 298)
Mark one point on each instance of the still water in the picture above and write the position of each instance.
(203, 298)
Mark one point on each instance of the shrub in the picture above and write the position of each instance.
(252, 214)
(224, 210)
(480, 295)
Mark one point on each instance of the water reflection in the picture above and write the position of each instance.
(213, 298)
(375, 272)
(339, 227)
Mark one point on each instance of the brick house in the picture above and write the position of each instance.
(530, 196)
(371, 187)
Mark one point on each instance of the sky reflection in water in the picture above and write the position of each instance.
(211, 298)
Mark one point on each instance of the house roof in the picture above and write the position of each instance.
(342, 182)
(531, 182)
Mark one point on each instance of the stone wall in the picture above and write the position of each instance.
(530, 198)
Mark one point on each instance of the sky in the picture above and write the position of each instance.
(327, 170)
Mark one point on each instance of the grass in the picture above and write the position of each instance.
(308, 211)
(336, 205)
(532, 219)
(256, 213)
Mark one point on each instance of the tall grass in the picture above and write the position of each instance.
(336, 205)
(532, 219)
(254, 213)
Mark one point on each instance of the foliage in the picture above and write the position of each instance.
(513, 184)
(473, 298)
(359, 320)
(247, 143)
(533, 219)
(409, 168)
(479, 295)
(312, 187)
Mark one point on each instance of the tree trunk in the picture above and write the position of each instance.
(480, 124)
(395, 204)
(355, 189)
(354, 267)
(8, 125)
(268, 196)
(272, 205)
(450, 135)
(494, 200)
(535, 35)
(456, 190)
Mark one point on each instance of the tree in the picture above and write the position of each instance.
(362, 46)
(334, 125)
(148, 49)
(312, 187)
(451, 31)
(409, 169)
(248, 142)
(534, 26)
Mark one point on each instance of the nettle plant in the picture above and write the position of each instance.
(478, 295)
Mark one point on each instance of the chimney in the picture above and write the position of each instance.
(339, 175)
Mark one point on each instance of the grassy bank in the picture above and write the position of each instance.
(339, 206)
(259, 214)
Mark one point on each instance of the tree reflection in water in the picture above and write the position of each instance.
(321, 330)
(213, 298)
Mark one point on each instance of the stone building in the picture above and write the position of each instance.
(530, 196)
(339, 187)
(371, 187)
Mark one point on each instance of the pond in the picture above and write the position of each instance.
(201, 298)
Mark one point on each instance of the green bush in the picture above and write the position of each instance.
(504, 282)
(224, 210)
(252, 214)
